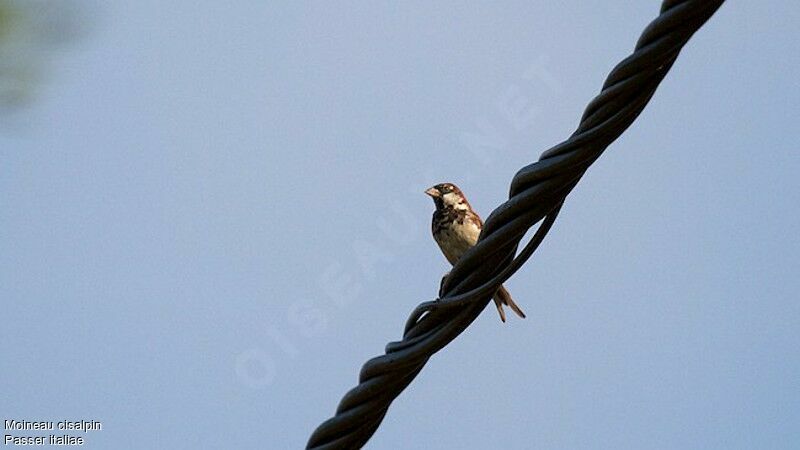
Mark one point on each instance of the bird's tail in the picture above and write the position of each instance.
(502, 297)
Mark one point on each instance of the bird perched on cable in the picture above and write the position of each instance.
(456, 227)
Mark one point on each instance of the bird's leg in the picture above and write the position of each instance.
(441, 283)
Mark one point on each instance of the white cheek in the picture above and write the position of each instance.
(453, 200)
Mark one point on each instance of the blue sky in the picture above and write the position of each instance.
(212, 215)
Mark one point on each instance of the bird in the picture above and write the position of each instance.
(456, 227)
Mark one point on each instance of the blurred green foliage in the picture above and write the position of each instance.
(30, 31)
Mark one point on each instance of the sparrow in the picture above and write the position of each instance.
(456, 227)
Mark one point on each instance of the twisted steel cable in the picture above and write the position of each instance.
(537, 193)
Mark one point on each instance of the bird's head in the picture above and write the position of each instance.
(447, 195)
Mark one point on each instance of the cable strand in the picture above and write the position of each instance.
(536, 194)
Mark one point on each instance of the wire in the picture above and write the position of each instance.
(536, 195)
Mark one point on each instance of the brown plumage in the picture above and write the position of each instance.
(456, 227)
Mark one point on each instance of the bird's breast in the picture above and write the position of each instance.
(455, 235)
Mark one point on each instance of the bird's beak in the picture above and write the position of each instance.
(432, 192)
